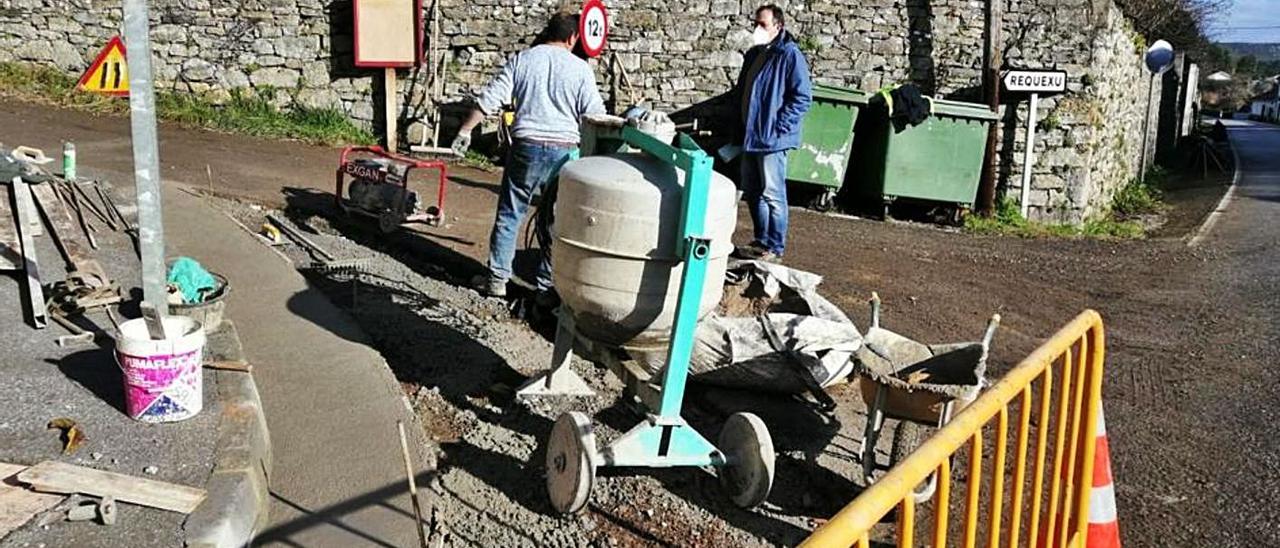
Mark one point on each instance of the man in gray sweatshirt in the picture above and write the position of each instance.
(552, 90)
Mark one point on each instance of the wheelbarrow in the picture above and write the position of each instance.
(921, 386)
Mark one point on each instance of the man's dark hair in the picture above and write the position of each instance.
(560, 28)
(779, 18)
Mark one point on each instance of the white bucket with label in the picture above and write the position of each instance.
(163, 380)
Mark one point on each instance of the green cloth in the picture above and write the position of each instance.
(191, 279)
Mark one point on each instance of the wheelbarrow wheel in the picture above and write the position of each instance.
(748, 475)
(571, 470)
(908, 437)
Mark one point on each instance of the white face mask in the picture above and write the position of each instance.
(760, 36)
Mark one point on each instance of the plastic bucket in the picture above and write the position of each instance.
(209, 312)
(163, 381)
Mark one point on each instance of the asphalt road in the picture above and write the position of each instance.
(1238, 403)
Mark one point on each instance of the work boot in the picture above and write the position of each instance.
(489, 286)
(751, 251)
(769, 257)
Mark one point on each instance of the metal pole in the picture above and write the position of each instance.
(991, 73)
(146, 159)
(1146, 129)
(1028, 155)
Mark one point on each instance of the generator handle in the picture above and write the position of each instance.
(379, 151)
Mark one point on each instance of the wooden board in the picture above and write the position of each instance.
(66, 233)
(19, 504)
(386, 32)
(26, 216)
(58, 477)
(10, 249)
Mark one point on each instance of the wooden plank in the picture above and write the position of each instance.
(10, 252)
(19, 504)
(389, 101)
(26, 214)
(61, 224)
(59, 477)
(228, 365)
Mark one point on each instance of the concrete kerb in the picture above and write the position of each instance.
(1212, 218)
(237, 502)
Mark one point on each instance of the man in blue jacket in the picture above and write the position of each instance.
(774, 93)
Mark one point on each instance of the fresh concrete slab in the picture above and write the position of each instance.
(331, 402)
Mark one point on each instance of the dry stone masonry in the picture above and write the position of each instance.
(675, 53)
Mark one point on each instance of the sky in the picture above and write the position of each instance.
(1244, 22)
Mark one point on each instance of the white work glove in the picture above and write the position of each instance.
(461, 143)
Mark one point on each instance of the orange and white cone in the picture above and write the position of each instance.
(1104, 524)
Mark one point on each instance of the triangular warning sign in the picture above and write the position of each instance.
(108, 74)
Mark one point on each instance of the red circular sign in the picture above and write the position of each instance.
(593, 27)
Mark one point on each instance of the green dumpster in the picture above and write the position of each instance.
(939, 160)
(826, 138)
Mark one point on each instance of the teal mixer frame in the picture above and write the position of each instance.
(663, 438)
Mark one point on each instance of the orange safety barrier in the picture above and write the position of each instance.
(1059, 386)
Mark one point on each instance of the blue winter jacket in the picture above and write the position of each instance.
(780, 96)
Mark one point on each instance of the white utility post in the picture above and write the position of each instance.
(1028, 155)
(1037, 83)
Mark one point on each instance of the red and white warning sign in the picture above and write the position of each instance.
(593, 27)
(108, 74)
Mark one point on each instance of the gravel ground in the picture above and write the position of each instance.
(460, 355)
(44, 381)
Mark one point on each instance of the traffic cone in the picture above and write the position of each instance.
(1104, 524)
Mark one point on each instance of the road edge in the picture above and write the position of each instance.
(237, 502)
(1212, 218)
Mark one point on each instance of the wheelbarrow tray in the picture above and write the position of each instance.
(942, 373)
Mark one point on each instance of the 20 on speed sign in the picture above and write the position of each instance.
(593, 27)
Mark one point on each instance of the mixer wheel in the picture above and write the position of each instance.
(571, 470)
(748, 475)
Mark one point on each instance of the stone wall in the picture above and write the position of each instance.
(298, 53)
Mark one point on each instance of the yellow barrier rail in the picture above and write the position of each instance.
(1068, 372)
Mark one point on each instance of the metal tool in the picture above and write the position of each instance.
(87, 200)
(302, 240)
(744, 453)
(78, 334)
(380, 187)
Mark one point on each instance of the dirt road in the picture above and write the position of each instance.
(1191, 390)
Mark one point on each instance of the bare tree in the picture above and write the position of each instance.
(1181, 22)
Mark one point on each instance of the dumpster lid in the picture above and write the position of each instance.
(840, 94)
(961, 109)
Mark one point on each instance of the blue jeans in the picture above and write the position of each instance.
(764, 185)
(529, 167)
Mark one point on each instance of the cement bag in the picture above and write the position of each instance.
(772, 332)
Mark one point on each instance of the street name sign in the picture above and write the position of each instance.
(1044, 82)
(1023, 82)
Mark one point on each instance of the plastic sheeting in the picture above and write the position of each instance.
(799, 343)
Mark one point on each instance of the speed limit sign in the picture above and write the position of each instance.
(593, 27)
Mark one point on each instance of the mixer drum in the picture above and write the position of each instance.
(614, 259)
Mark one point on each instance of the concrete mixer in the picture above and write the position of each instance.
(642, 240)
